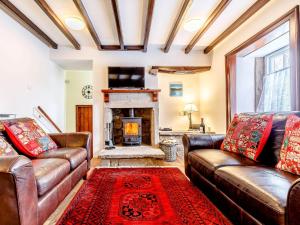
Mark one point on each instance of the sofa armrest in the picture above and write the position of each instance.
(75, 140)
(293, 204)
(200, 141)
(18, 191)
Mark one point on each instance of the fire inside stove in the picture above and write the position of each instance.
(131, 129)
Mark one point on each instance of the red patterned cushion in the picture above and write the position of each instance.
(28, 137)
(290, 149)
(6, 149)
(248, 134)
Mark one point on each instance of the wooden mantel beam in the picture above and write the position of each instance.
(118, 23)
(184, 8)
(243, 18)
(152, 92)
(20, 17)
(80, 7)
(59, 24)
(178, 69)
(148, 23)
(211, 19)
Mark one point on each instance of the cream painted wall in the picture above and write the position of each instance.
(212, 83)
(74, 82)
(101, 60)
(171, 108)
(28, 77)
(245, 89)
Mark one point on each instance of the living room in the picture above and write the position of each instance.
(149, 112)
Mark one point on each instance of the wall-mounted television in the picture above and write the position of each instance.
(126, 77)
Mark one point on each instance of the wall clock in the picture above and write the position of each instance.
(87, 91)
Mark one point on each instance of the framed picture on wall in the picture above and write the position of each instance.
(176, 89)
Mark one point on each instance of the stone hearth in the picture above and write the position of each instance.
(131, 156)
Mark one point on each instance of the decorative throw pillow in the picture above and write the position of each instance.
(290, 148)
(248, 134)
(28, 136)
(6, 149)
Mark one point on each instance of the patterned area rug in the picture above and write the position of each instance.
(149, 196)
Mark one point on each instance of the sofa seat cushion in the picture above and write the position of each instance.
(206, 161)
(74, 155)
(49, 172)
(262, 191)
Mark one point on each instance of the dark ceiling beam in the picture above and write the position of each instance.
(16, 14)
(148, 23)
(80, 7)
(59, 24)
(126, 48)
(179, 69)
(185, 6)
(134, 47)
(118, 23)
(211, 19)
(244, 17)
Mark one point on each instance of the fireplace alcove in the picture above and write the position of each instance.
(117, 103)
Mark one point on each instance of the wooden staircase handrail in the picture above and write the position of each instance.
(49, 119)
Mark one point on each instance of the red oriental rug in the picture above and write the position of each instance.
(149, 196)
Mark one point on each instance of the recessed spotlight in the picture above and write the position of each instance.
(192, 25)
(74, 23)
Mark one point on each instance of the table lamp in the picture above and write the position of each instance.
(189, 109)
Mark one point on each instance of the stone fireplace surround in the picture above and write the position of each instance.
(137, 99)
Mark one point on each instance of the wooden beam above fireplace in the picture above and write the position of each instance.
(153, 92)
(178, 69)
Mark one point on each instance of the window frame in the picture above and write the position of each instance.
(275, 53)
(255, 42)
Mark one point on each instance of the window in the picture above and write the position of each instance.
(270, 81)
(276, 93)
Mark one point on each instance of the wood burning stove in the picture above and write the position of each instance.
(132, 129)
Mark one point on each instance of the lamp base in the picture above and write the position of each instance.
(190, 120)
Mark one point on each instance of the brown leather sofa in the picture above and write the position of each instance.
(31, 189)
(246, 191)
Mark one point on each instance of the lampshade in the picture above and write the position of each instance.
(190, 107)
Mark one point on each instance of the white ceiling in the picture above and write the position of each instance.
(133, 16)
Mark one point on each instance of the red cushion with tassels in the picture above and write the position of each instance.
(290, 149)
(248, 134)
(28, 136)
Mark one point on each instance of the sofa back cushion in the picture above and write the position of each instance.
(28, 136)
(271, 153)
(248, 134)
(6, 149)
(290, 149)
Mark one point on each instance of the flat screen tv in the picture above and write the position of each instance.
(126, 77)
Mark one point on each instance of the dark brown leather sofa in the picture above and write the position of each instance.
(31, 189)
(246, 191)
